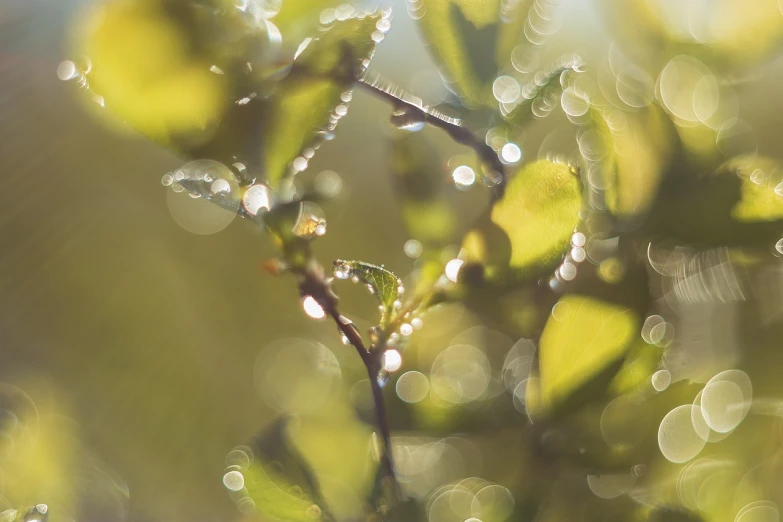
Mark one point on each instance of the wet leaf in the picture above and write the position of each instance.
(582, 337)
(472, 40)
(299, 113)
(536, 217)
(383, 284)
(278, 480)
(209, 86)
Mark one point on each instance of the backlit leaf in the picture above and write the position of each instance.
(472, 39)
(582, 337)
(536, 218)
(278, 480)
(635, 157)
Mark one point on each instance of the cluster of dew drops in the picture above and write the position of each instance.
(391, 359)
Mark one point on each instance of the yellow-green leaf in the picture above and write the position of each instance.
(472, 39)
(299, 113)
(636, 155)
(537, 217)
(582, 337)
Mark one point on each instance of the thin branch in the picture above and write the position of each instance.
(414, 110)
(313, 283)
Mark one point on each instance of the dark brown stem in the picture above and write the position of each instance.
(313, 283)
(415, 109)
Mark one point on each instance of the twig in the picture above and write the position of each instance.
(313, 283)
(417, 111)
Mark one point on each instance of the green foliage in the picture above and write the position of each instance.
(536, 218)
(279, 481)
(737, 205)
(384, 285)
(299, 112)
(581, 338)
(471, 42)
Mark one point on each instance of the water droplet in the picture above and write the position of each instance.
(408, 118)
(678, 440)
(578, 239)
(406, 329)
(67, 70)
(205, 179)
(220, 186)
(506, 89)
(344, 339)
(510, 153)
(234, 480)
(463, 176)
(567, 271)
(299, 164)
(310, 218)
(452, 269)
(312, 308)
(397, 304)
(341, 110)
(167, 180)
(726, 400)
(377, 36)
(392, 360)
(578, 254)
(661, 380)
(412, 248)
(257, 198)
(417, 323)
(574, 104)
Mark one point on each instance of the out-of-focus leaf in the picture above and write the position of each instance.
(641, 362)
(582, 337)
(143, 65)
(536, 92)
(728, 35)
(537, 216)
(383, 284)
(278, 480)
(740, 204)
(472, 39)
(300, 111)
(419, 180)
(635, 157)
(198, 80)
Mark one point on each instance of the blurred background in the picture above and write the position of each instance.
(141, 342)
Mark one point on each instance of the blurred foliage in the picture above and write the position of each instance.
(560, 353)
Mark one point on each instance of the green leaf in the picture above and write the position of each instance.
(582, 337)
(740, 204)
(536, 217)
(299, 113)
(472, 40)
(635, 156)
(278, 480)
(206, 83)
(383, 284)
